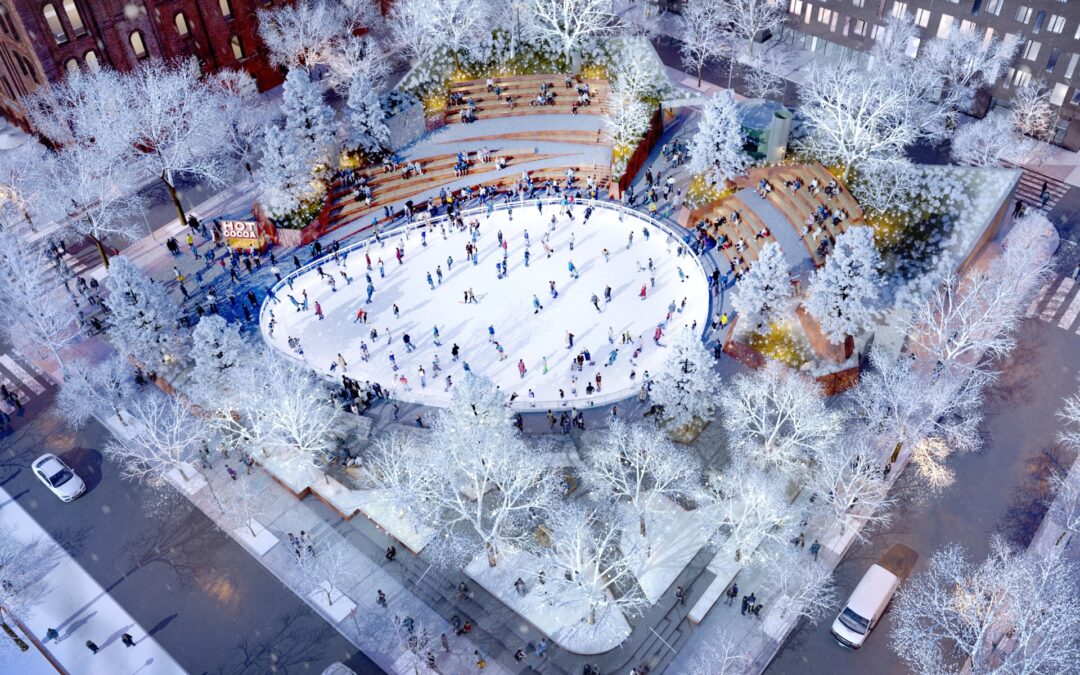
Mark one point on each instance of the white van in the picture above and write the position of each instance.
(865, 606)
(868, 601)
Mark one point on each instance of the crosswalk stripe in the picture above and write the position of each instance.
(1070, 314)
(18, 371)
(1038, 299)
(1055, 302)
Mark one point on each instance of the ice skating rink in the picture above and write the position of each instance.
(505, 304)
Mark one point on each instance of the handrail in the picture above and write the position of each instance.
(520, 404)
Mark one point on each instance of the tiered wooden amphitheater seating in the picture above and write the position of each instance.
(524, 88)
(348, 209)
(746, 229)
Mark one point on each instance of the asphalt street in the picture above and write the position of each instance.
(203, 597)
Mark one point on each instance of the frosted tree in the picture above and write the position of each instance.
(38, 317)
(422, 26)
(24, 567)
(87, 388)
(142, 316)
(719, 654)
(1065, 508)
(986, 141)
(700, 23)
(904, 406)
(958, 612)
(485, 485)
(852, 116)
(179, 116)
(716, 150)
(743, 510)
(851, 489)
(686, 385)
(24, 172)
(777, 419)
(1070, 417)
(329, 570)
(804, 588)
(636, 466)
(764, 294)
(762, 75)
(284, 177)
(218, 352)
(242, 506)
(568, 23)
(305, 35)
(589, 566)
(162, 436)
(845, 295)
(367, 120)
(293, 415)
(626, 118)
(411, 638)
(309, 122)
(247, 119)
(1032, 113)
(357, 55)
(968, 61)
(885, 185)
(746, 19)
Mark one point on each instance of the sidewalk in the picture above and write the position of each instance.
(80, 610)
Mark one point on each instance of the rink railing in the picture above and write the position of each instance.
(522, 403)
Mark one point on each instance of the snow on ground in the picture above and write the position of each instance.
(674, 537)
(505, 304)
(563, 621)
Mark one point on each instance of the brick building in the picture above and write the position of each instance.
(1049, 45)
(70, 34)
(20, 70)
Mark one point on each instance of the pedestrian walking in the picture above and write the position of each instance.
(52, 635)
(126, 637)
(680, 595)
(445, 641)
(541, 647)
(732, 593)
(391, 553)
(232, 472)
(380, 598)
(815, 548)
(92, 646)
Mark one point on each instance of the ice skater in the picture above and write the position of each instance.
(595, 302)
(536, 304)
(573, 270)
(644, 292)
(612, 355)
(435, 336)
(521, 368)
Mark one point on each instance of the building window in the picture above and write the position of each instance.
(824, 15)
(1040, 19)
(1021, 77)
(237, 48)
(975, 7)
(57, 28)
(795, 7)
(71, 65)
(29, 68)
(226, 8)
(1031, 50)
(92, 61)
(967, 26)
(1071, 68)
(1056, 23)
(137, 44)
(74, 20)
(876, 32)
(1058, 95)
(1076, 97)
(1051, 63)
(859, 28)
(922, 17)
(10, 91)
(994, 6)
(858, 3)
(1023, 14)
(899, 9)
(181, 24)
(945, 25)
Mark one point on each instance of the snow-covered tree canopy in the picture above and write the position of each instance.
(24, 570)
(568, 23)
(986, 141)
(589, 564)
(218, 352)
(885, 185)
(283, 176)
(747, 18)
(632, 464)
(309, 121)
(307, 34)
(1032, 113)
(701, 25)
(850, 487)
(717, 147)
(777, 420)
(744, 510)
(142, 317)
(802, 588)
(765, 292)
(966, 60)
(24, 171)
(422, 26)
(958, 612)
(720, 655)
(162, 436)
(367, 125)
(687, 386)
(844, 295)
(852, 115)
(37, 316)
(88, 388)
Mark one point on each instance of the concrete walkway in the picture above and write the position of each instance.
(76, 606)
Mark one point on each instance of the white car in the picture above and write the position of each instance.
(58, 477)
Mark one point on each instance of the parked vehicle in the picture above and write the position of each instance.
(872, 595)
(61, 480)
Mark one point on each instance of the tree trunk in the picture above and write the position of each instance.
(180, 469)
(699, 74)
(251, 529)
(329, 598)
(847, 170)
(592, 615)
(116, 409)
(175, 199)
(101, 250)
(490, 554)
